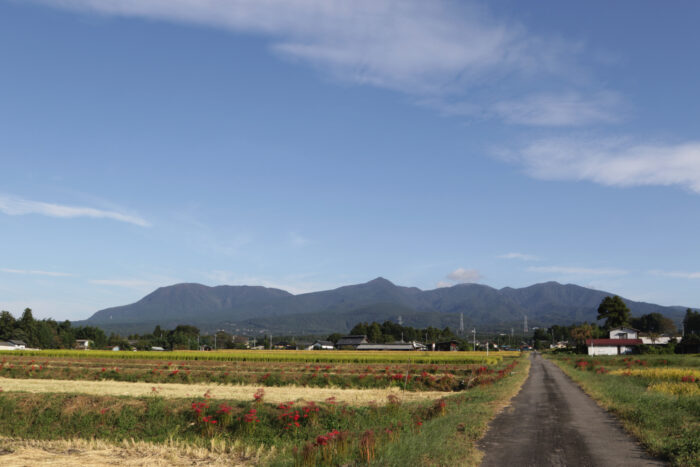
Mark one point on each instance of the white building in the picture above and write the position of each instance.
(82, 344)
(659, 340)
(621, 341)
(623, 333)
(12, 344)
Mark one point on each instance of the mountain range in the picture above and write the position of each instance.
(255, 309)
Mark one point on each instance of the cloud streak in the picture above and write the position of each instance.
(676, 274)
(428, 50)
(560, 110)
(128, 283)
(578, 271)
(612, 162)
(520, 256)
(36, 272)
(14, 206)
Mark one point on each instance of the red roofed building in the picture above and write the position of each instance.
(621, 341)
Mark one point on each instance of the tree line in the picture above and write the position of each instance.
(616, 314)
(47, 333)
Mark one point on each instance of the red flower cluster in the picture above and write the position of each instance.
(209, 419)
(323, 440)
(251, 416)
(259, 394)
(225, 409)
(688, 379)
(198, 407)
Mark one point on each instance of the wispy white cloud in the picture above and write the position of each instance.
(566, 109)
(297, 240)
(15, 206)
(578, 271)
(36, 273)
(520, 256)
(676, 274)
(613, 162)
(426, 49)
(128, 283)
(460, 276)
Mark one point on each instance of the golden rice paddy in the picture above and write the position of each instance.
(661, 374)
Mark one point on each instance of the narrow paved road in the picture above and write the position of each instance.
(553, 422)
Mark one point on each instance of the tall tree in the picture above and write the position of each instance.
(691, 322)
(614, 311)
(654, 322)
(7, 324)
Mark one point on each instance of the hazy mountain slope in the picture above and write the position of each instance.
(248, 309)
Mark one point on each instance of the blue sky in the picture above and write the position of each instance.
(308, 144)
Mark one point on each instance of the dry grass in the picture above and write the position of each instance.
(23, 452)
(229, 392)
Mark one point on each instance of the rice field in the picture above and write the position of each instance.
(275, 395)
(311, 356)
(301, 408)
(408, 375)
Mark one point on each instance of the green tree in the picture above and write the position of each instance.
(654, 323)
(581, 333)
(374, 333)
(335, 337)
(7, 324)
(691, 322)
(614, 311)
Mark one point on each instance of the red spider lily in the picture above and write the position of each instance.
(224, 409)
(198, 407)
(259, 394)
(251, 416)
(209, 419)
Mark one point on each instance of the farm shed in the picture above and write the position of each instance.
(351, 342)
(663, 339)
(452, 346)
(12, 345)
(398, 346)
(612, 346)
(82, 344)
(322, 345)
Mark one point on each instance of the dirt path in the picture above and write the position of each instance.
(274, 394)
(552, 422)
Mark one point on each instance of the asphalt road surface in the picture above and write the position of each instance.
(553, 422)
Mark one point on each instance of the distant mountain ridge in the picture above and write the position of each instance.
(254, 308)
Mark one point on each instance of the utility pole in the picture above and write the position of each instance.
(525, 325)
(474, 333)
(214, 340)
(461, 324)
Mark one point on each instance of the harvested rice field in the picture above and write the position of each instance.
(228, 392)
(85, 408)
